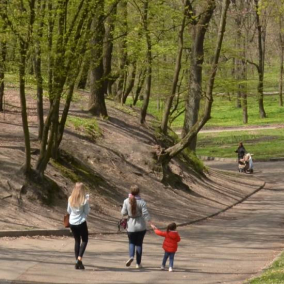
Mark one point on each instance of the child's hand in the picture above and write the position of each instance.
(153, 227)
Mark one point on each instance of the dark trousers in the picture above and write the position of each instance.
(136, 242)
(81, 234)
(170, 255)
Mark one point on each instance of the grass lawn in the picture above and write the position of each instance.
(273, 275)
(264, 144)
(226, 114)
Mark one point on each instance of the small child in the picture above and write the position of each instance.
(170, 244)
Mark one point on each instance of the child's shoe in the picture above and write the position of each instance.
(129, 261)
(162, 267)
(138, 266)
(170, 269)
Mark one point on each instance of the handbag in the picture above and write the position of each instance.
(66, 221)
(122, 223)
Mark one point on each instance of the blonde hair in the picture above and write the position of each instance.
(77, 197)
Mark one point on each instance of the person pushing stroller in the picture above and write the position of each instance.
(245, 163)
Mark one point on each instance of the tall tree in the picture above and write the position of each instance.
(3, 53)
(169, 100)
(173, 151)
(260, 65)
(145, 21)
(97, 104)
(199, 28)
(41, 6)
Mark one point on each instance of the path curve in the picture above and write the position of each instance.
(229, 248)
(233, 129)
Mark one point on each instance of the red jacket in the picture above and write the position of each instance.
(171, 240)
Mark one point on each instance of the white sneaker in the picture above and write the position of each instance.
(170, 269)
(138, 266)
(129, 261)
(162, 267)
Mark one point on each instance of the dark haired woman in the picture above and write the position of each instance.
(241, 151)
(135, 208)
(170, 244)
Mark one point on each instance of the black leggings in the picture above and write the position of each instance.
(80, 232)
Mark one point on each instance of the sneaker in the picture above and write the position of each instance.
(170, 269)
(162, 267)
(79, 265)
(129, 261)
(138, 266)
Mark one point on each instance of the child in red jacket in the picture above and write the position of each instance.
(170, 244)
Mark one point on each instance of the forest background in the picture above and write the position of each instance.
(161, 56)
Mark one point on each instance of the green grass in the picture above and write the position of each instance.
(273, 275)
(263, 144)
(88, 126)
(226, 114)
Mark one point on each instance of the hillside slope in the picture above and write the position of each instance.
(108, 164)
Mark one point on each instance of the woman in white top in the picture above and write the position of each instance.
(79, 208)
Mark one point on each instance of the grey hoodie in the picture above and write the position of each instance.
(136, 223)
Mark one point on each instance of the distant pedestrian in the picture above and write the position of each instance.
(79, 208)
(241, 151)
(136, 210)
(170, 244)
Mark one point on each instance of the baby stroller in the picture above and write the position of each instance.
(245, 165)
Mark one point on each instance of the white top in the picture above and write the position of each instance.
(78, 215)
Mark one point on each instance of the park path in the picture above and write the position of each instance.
(229, 248)
(233, 129)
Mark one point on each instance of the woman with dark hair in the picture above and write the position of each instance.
(241, 151)
(135, 208)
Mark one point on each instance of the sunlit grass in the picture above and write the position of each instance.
(263, 143)
(273, 275)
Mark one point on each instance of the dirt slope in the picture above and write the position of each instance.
(108, 165)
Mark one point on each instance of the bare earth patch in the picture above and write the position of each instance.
(108, 165)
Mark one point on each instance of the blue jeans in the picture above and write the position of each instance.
(166, 256)
(136, 242)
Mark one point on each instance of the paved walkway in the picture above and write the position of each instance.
(233, 129)
(227, 249)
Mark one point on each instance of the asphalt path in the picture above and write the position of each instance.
(229, 248)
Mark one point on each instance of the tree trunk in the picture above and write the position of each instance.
(169, 101)
(173, 151)
(149, 64)
(195, 82)
(37, 67)
(84, 74)
(281, 77)
(260, 68)
(243, 89)
(281, 63)
(22, 74)
(3, 52)
(123, 52)
(141, 80)
(50, 53)
(131, 82)
(108, 49)
(97, 104)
